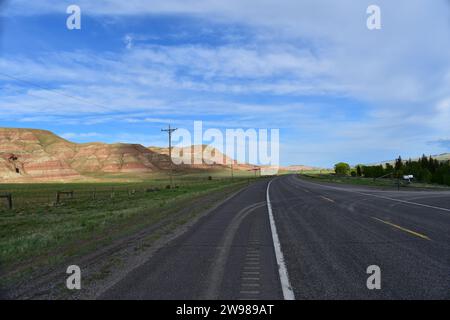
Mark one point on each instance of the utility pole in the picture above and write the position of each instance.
(170, 131)
(398, 160)
(255, 170)
(232, 170)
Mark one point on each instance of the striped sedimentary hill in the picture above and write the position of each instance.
(39, 155)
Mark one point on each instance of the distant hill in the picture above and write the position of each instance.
(299, 168)
(442, 157)
(201, 158)
(30, 155)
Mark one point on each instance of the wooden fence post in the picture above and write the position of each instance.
(10, 203)
(59, 193)
(8, 197)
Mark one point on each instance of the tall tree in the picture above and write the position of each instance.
(358, 170)
(342, 168)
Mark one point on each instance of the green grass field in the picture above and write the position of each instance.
(39, 231)
(387, 183)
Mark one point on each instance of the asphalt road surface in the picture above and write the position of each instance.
(309, 241)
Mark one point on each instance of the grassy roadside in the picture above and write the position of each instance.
(35, 236)
(361, 181)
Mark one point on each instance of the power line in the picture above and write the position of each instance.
(52, 90)
(170, 131)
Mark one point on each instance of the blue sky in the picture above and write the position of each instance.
(336, 91)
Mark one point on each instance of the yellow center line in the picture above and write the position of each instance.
(328, 199)
(403, 229)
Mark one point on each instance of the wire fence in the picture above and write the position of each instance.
(25, 200)
(19, 198)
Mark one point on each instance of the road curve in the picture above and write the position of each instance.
(228, 254)
(328, 234)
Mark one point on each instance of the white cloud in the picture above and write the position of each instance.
(444, 105)
(296, 48)
(82, 136)
(128, 40)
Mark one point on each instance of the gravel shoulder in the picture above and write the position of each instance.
(107, 261)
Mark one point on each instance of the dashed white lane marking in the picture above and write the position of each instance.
(250, 292)
(288, 294)
(250, 280)
(405, 201)
(327, 199)
(253, 285)
(382, 197)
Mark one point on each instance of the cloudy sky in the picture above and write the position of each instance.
(336, 90)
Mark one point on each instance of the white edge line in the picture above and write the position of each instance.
(381, 197)
(288, 294)
(405, 201)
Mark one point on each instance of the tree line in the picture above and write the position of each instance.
(426, 169)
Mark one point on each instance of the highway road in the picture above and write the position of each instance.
(289, 238)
